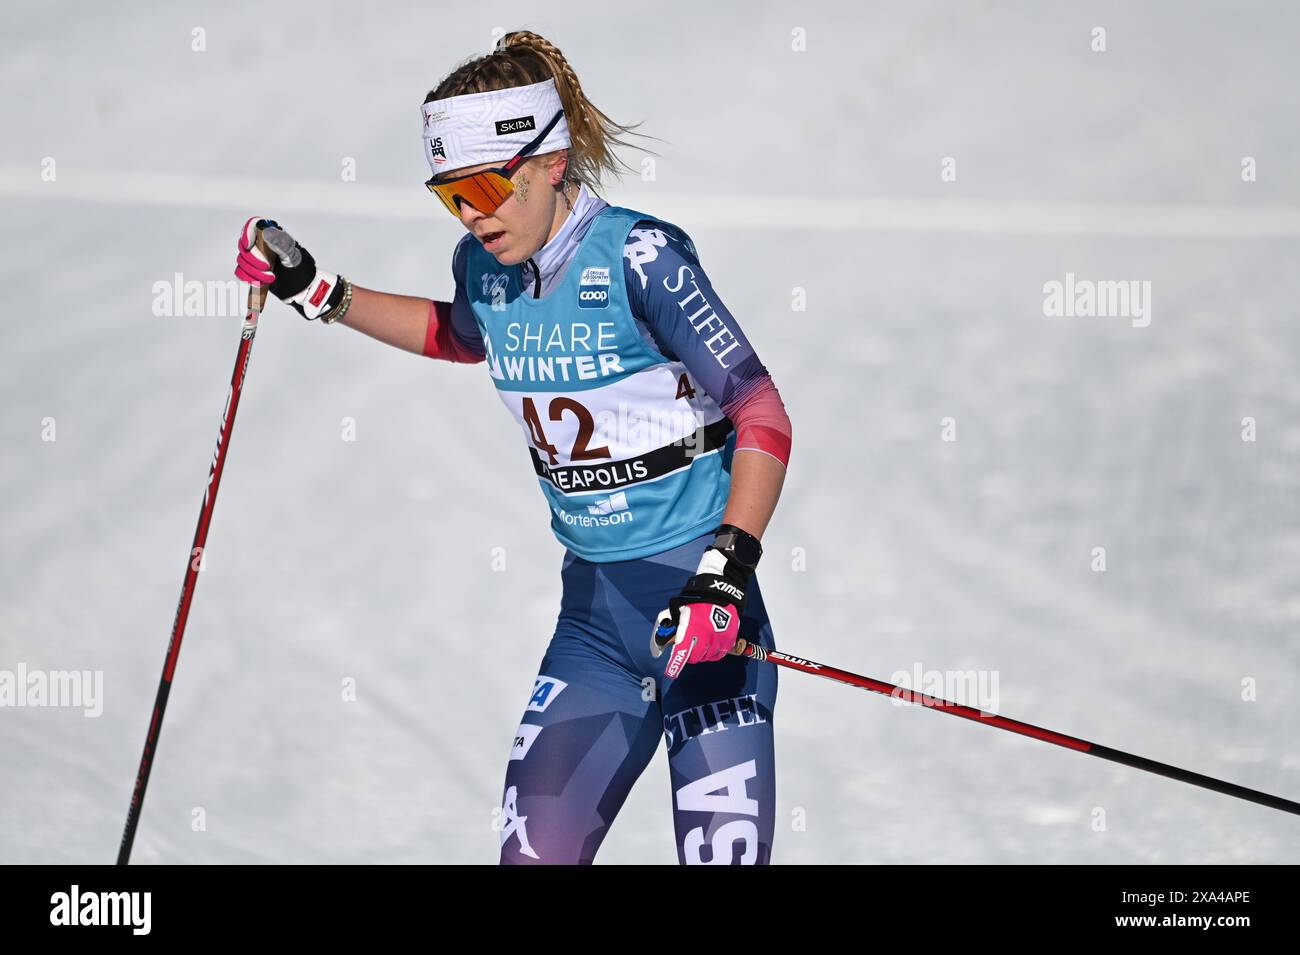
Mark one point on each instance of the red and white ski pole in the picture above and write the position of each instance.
(256, 299)
(746, 649)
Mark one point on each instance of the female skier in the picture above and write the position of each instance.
(637, 393)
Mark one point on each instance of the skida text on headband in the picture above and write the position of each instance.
(477, 128)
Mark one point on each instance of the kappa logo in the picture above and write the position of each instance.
(593, 288)
(721, 618)
(643, 248)
(513, 824)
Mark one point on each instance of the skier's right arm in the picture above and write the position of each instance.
(445, 330)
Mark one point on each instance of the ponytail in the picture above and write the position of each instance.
(523, 58)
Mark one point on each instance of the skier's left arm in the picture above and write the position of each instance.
(673, 296)
(686, 319)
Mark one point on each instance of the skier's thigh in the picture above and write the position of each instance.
(585, 737)
(718, 729)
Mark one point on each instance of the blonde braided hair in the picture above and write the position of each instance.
(522, 58)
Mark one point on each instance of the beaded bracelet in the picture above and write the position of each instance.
(341, 309)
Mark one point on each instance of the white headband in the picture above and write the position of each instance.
(475, 128)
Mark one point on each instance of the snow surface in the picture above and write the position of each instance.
(373, 560)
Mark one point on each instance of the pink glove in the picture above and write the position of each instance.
(251, 266)
(707, 615)
(292, 277)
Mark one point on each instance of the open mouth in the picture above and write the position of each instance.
(491, 237)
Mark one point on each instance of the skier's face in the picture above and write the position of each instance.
(528, 218)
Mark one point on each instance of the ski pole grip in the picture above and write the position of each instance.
(664, 636)
(257, 293)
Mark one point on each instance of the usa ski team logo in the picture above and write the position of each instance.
(593, 288)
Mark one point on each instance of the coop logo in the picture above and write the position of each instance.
(102, 908)
(593, 288)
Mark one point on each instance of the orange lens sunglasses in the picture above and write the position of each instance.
(487, 189)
